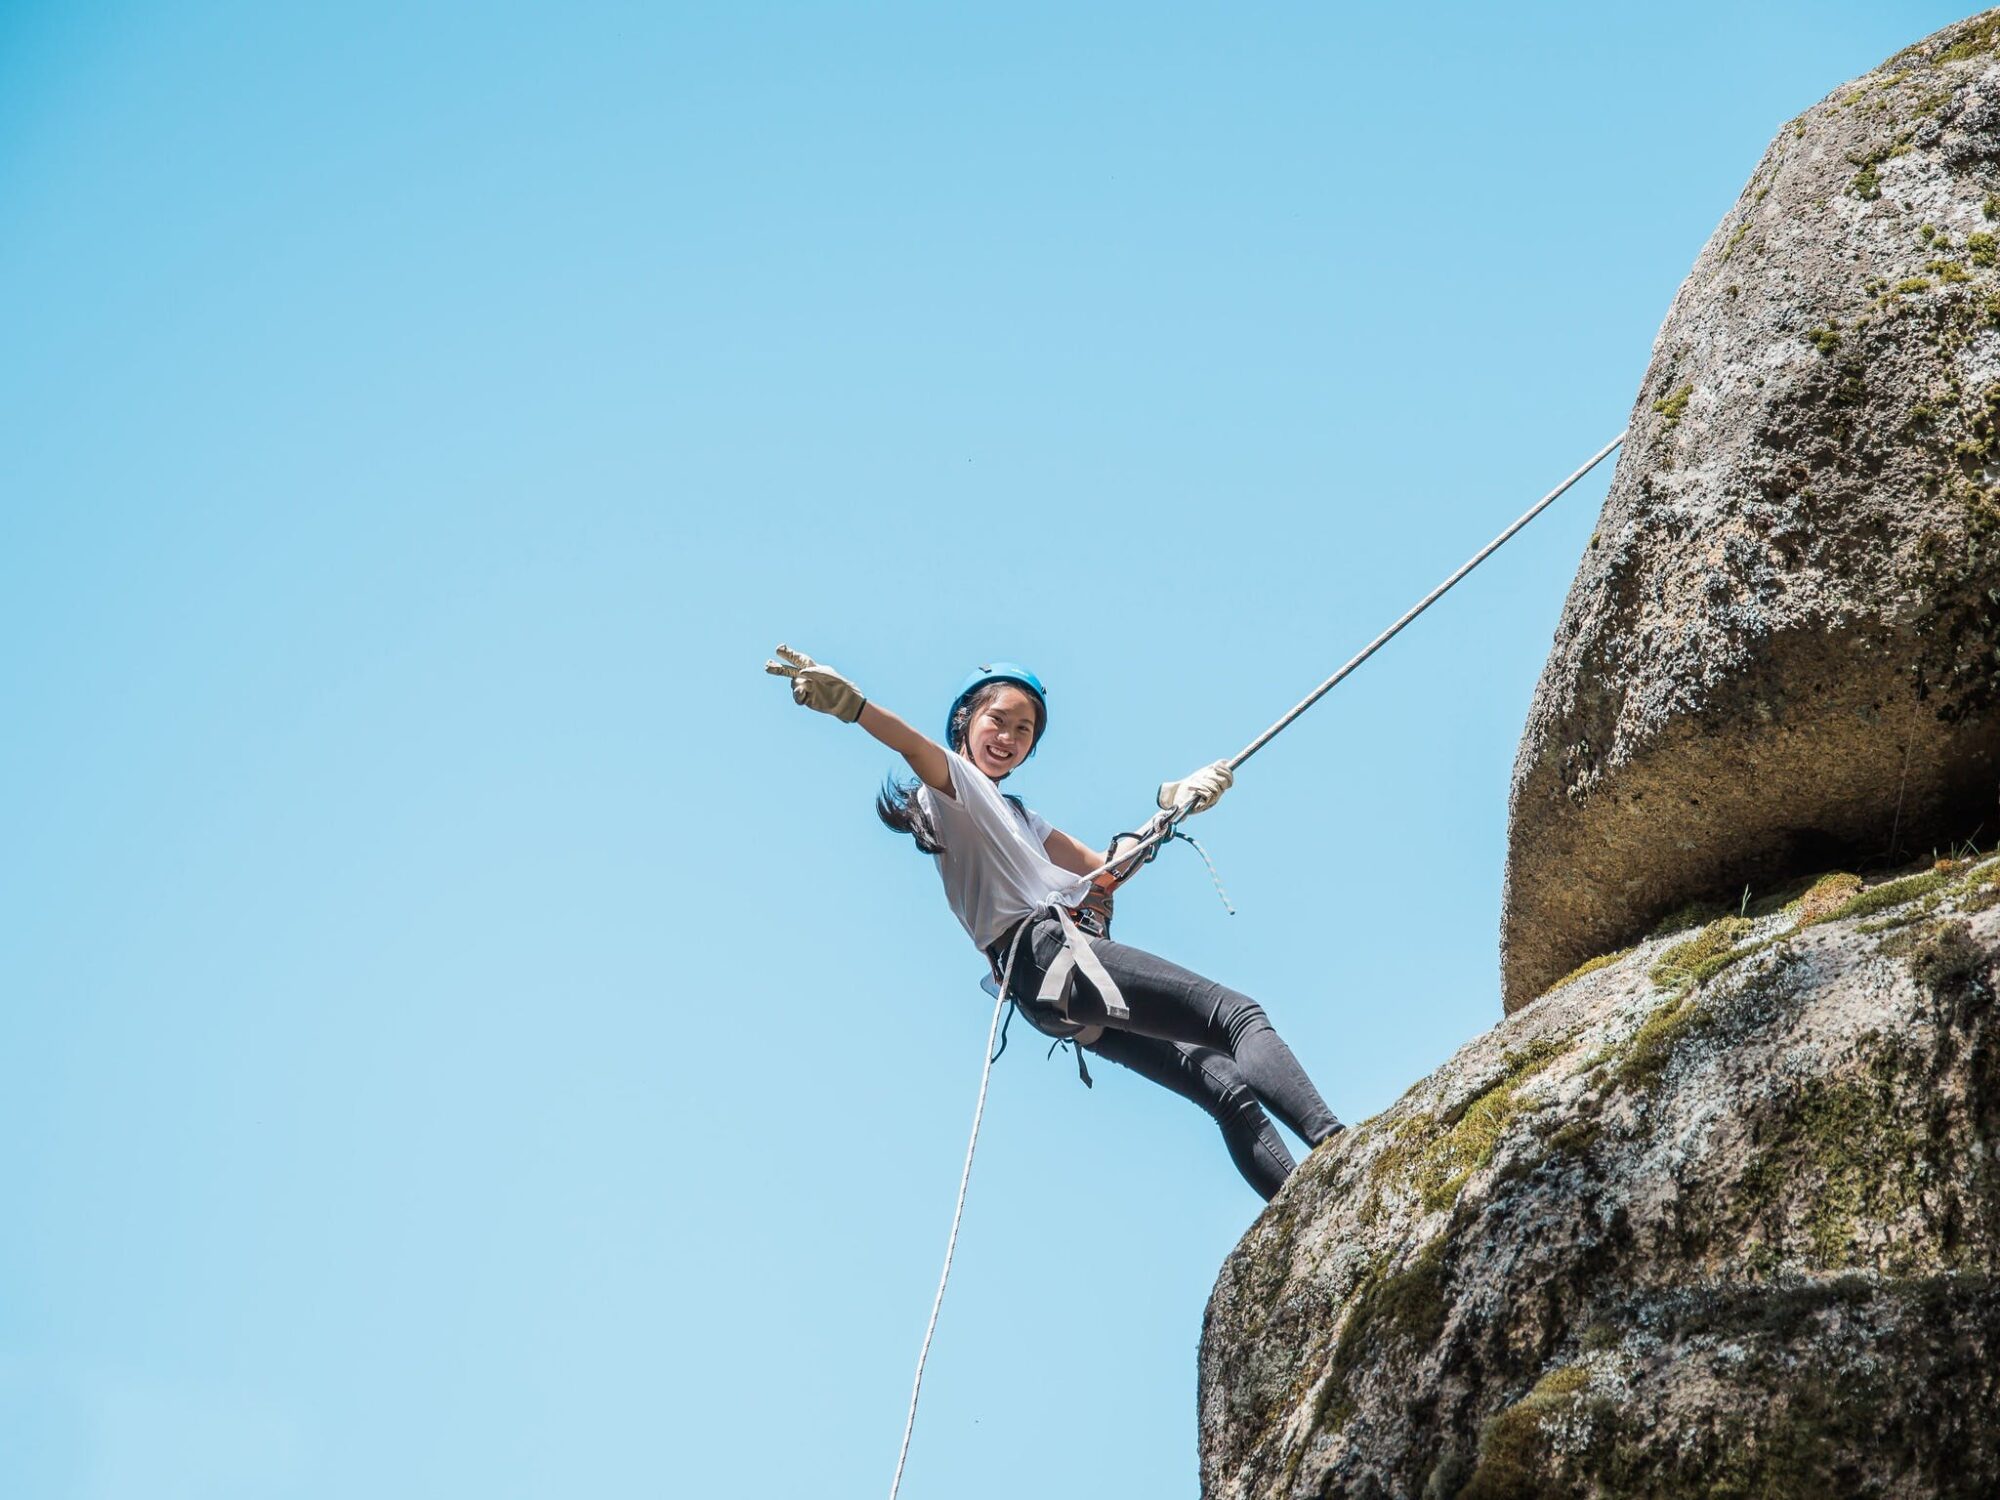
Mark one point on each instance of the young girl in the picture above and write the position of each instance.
(1017, 886)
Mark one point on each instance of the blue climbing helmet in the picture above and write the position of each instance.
(1002, 671)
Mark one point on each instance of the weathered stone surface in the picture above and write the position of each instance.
(1719, 1218)
(1780, 649)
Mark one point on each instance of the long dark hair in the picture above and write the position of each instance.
(897, 805)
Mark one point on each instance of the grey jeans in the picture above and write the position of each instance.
(1204, 1041)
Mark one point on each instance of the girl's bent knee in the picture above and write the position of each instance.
(1239, 1016)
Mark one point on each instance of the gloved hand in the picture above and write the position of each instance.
(1203, 788)
(818, 687)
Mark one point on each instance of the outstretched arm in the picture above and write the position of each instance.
(822, 688)
(925, 755)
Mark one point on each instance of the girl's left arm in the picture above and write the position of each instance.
(1066, 853)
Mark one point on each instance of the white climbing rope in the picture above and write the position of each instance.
(1162, 829)
(1214, 878)
(1423, 604)
(958, 1212)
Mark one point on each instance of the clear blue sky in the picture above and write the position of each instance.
(463, 1031)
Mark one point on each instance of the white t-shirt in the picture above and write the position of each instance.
(994, 868)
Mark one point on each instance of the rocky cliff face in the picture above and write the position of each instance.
(1783, 646)
(1717, 1214)
(1718, 1217)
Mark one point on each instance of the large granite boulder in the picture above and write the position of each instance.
(1780, 649)
(1719, 1218)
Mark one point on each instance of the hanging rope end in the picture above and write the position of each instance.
(1214, 878)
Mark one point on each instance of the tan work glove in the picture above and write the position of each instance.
(818, 687)
(1201, 788)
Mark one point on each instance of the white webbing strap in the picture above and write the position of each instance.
(1054, 981)
(1077, 953)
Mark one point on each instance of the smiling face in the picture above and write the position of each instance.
(1001, 731)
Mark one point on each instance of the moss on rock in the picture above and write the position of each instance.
(1435, 1156)
(1654, 1043)
(1588, 966)
(1407, 1306)
(1687, 964)
(1948, 958)
(1673, 406)
(1513, 1444)
(1825, 896)
(1842, 1149)
(1883, 897)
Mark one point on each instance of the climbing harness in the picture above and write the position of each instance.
(1151, 840)
(1077, 957)
(1048, 1013)
(1048, 1010)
